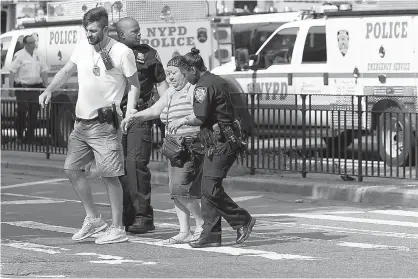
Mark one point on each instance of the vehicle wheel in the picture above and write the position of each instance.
(395, 137)
(335, 146)
(64, 124)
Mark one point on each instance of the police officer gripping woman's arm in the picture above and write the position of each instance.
(220, 134)
(138, 212)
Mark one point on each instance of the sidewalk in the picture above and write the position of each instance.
(383, 191)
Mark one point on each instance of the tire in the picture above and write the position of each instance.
(64, 124)
(335, 146)
(395, 137)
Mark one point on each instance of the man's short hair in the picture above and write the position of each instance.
(25, 39)
(98, 14)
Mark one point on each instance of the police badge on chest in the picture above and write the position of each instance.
(140, 58)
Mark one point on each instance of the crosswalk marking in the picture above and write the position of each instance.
(372, 246)
(397, 212)
(32, 246)
(350, 230)
(341, 218)
(26, 184)
(39, 201)
(235, 251)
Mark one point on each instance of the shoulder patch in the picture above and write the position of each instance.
(200, 94)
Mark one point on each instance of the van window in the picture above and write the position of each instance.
(279, 49)
(5, 45)
(19, 44)
(315, 50)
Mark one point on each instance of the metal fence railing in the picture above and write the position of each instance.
(362, 136)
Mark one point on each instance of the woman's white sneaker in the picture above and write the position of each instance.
(112, 235)
(90, 227)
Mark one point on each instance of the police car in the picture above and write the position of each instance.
(332, 57)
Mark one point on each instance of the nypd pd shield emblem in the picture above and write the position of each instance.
(140, 58)
(202, 35)
(200, 94)
(343, 41)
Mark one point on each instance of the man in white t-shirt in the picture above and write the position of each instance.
(104, 66)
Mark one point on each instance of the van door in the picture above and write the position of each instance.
(270, 81)
(6, 44)
(58, 44)
(311, 73)
(345, 45)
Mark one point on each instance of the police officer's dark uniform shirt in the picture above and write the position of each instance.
(150, 71)
(212, 102)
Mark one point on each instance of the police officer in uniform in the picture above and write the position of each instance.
(28, 70)
(138, 212)
(220, 132)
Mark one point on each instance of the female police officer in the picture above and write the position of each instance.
(215, 115)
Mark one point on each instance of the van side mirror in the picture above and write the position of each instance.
(241, 59)
(254, 61)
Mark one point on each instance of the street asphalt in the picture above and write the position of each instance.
(381, 190)
(295, 236)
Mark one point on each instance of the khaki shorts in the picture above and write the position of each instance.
(95, 141)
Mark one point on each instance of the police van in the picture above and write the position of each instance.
(330, 58)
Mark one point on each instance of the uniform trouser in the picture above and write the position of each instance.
(215, 201)
(136, 182)
(27, 110)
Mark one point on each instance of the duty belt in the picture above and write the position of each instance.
(223, 133)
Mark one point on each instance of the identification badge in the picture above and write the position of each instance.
(140, 58)
(96, 71)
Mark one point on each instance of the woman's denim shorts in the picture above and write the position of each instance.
(186, 181)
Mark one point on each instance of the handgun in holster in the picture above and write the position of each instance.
(207, 137)
(108, 115)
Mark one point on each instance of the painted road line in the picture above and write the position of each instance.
(171, 210)
(49, 198)
(403, 213)
(341, 219)
(37, 197)
(32, 246)
(27, 184)
(397, 212)
(346, 230)
(108, 259)
(246, 198)
(53, 250)
(42, 226)
(235, 251)
(373, 246)
(40, 201)
(49, 276)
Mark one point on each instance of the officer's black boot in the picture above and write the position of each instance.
(128, 219)
(244, 232)
(142, 225)
(213, 240)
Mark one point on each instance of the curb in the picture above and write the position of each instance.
(308, 187)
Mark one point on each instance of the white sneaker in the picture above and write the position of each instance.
(112, 235)
(90, 227)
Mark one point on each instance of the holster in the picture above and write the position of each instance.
(108, 115)
(207, 137)
(233, 134)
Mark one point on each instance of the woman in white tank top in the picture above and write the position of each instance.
(185, 182)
